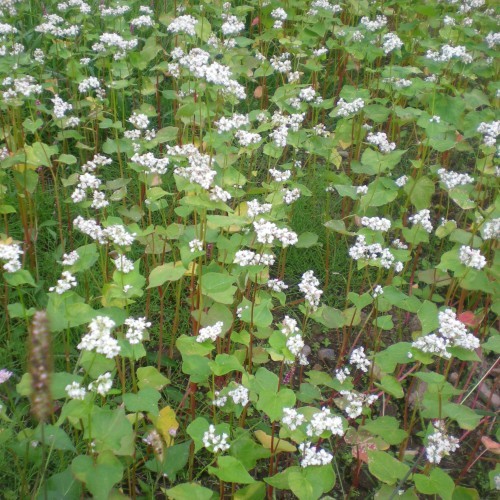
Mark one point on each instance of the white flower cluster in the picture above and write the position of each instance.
(289, 326)
(391, 42)
(491, 229)
(359, 360)
(82, 6)
(235, 122)
(60, 107)
(65, 283)
(452, 332)
(249, 258)
(52, 26)
(22, 86)
(295, 344)
(69, 259)
(378, 23)
(341, 374)
(96, 162)
(376, 223)
(346, 109)
(471, 258)
(375, 252)
(88, 181)
(292, 418)
(215, 442)
(220, 400)
(277, 285)
(280, 175)
(380, 140)
(139, 120)
(199, 170)
(117, 11)
(109, 41)
(470, 5)
(89, 83)
(401, 181)
(267, 232)
(239, 395)
(492, 39)
(75, 391)
(245, 138)
(219, 194)
(309, 287)
(136, 329)
(453, 179)
(10, 253)
(281, 63)
(377, 291)
(291, 195)
(324, 421)
(195, 245)
(152, 164)
(183, 24)
(440, 444)
(449, 52)
(231, 25)
(99, 337)
(311, 455)
(144, 21)
(210, 332)
(355, 402)
(490, 132)
(325, 5)
(255, 208)
(280, 15)
(102, 384)
(423, 218)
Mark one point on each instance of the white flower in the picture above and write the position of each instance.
(440, 444)
(311, 455)
(378, 23)
(102, 384)
(99, 337)
(391, 42)
(195, 245)
(75, 390)
(376, 223)
(215, 442)
(239, 395)
(123, 264)
(183, 24)
(70, 259)
(378, 290)
(309, 287)
(292, 418)
(136, 329)
(210, 332)
(380, 139)
(422, 218)
(324, 421)
(358, 359)
(471, 258)
(277, 285)
(139, 120)
(355, 402)
(65, 283)
(295, 344)
(401, 181)
(491, 229)
(346, 109)
(11, 253)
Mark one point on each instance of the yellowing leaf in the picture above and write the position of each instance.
(278, 445)
(167, 425)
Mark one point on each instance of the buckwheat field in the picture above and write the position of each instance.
(249, 250)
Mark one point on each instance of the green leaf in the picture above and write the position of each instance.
(54, 437)
(225, 363)
(387, 428)
(174, 460)
(62, 486)
(438, 482)
(110, 430)
(255, 491)
(301, 487)
(231, 470)
(246, 450)
(466, 417)
(428, 316)
(166, 272)
(100, 478)
(145, 400)
(391, 385)
(149, 376)
(197, 367)
(218, 287)
(189, 491)
(21, 277)
(395, 354)
(385, 467)
(420, 192)
(463, 493)
(307, 240)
